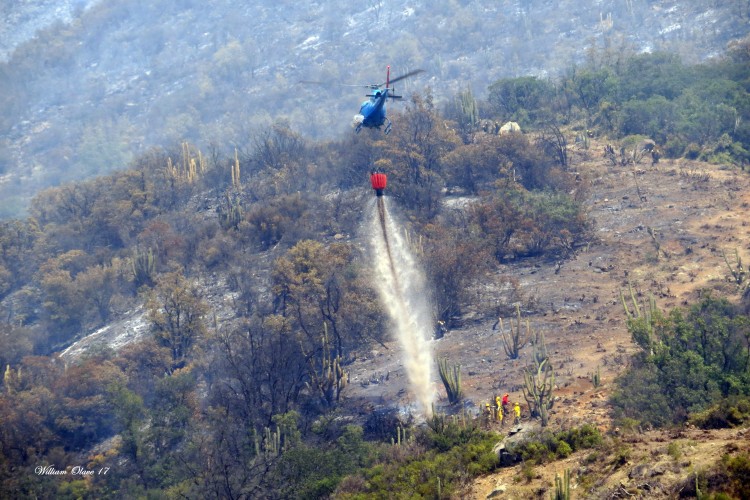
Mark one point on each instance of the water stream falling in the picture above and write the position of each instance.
(402, 289)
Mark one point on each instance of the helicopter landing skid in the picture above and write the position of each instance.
(388, 127)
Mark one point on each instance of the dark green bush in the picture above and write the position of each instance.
(692, 151)
(429, 474)
(584, 437)
(738, 469)
(730, 412)
(692, 359)
(547, 446)
(674, 147)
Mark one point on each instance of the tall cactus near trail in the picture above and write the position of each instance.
(537, 390)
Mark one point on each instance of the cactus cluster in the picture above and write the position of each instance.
(400, 436)
(653, 234)
(539, 353)
(269, 445)
(331, 379)
(230, 212)
(537, 390)
(189, 167)
(645, 336)
(451, 377)
(583, 141)
(469, 108)
(11, 379)
(562, 486)
(439, 422)
(738, 272)
(143, 267)
(539, 381)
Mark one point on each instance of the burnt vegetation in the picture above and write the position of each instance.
(243, 404)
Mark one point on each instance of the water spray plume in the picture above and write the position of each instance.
(402, 289)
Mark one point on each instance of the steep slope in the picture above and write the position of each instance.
(695, 212)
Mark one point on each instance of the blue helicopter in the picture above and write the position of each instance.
(372, 112)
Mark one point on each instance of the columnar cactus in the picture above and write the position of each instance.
(143, 267)
(515, 340)
(230, 213)
(331, 378)
(537, 390)
(451, 378)
(562, 486)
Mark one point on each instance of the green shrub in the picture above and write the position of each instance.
(536, 452)
(728, 479)
(738, 469)
(692, 359)
(579, 438)
(729, 412)
(316, 471)
(692, 151)
(563, 449)
(674, 451)
(417, 476)
(622, 455)
(547, 446)
(528, 472)
(674, 147)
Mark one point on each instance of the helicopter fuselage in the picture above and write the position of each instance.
(373, 110)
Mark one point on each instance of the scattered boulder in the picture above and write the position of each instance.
(499, 490)
(510, 128)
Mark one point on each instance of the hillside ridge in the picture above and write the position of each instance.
(88, 94)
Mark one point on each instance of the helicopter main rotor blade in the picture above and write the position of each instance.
(404, 76)
(362, 86)
(371, 86)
